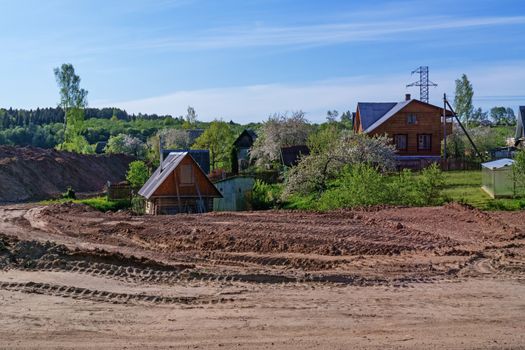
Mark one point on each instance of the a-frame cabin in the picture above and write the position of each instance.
(179, 185)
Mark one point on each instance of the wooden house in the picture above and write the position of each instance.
(242, 146)
(291, 155)
(179, 185)
(416, 128)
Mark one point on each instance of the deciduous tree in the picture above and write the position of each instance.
(463, 99)
(218, 139)
(280, 130)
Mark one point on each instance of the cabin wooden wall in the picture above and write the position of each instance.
(428, 122)
(169, 186)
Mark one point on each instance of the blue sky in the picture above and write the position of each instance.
(246, 59)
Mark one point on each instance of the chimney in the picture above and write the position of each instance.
(407, 97)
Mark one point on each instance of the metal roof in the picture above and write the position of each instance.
(498, 164)
(248, 132)
(201, 156)
(396, 108)
(371, 112)
(168, 166)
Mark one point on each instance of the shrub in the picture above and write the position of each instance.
(358, 185)
(69, 194)
(315, 171)
(265, 196)
(362, 184)
(518, 172)
(137, 174)
(429, 185)
(102, 204)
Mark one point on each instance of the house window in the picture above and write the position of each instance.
(411, 119)
(186, 174)
(424, 142)
(401, 142)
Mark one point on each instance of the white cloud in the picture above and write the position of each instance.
(492, 84)
(317, 34)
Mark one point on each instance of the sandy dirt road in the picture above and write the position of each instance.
(446, 277)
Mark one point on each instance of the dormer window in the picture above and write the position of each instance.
(411, 119)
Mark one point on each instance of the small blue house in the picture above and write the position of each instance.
(236, 192)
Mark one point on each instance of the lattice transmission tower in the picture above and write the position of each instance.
(423, 83)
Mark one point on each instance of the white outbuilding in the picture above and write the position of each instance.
(497, 178)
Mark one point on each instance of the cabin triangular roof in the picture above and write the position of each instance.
(167, 167)
(373, 114)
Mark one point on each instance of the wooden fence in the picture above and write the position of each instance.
(118, 191)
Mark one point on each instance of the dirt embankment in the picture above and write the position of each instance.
(29, 173)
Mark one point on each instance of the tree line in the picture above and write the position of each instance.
(12, 118)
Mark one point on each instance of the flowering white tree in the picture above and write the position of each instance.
(280, 130)
(315, 170)
(126, 144)
(175, 138)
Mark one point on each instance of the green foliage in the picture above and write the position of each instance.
(137, 174)
(358, 185)
(69, 194)
(362, 184)
(485, 138)
(465, 187)
(218, 139)
(102, 204)
(71, 95)
(280, 130)
(73, 100)
(265, 196)
(329, 156)
(324, 138)
(518, 172)
(463, 99)
(430, 185)
(126, 144)
(503, 116)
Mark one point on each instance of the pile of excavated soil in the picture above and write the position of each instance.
(29, 173)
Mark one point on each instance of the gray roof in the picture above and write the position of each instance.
(371, 112)
(396, 108)
(169, 164)
(520, 130)
(498, 164)
(248, 132)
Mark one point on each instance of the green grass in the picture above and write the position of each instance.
(465, 187)
(98, 203)
(460, 186)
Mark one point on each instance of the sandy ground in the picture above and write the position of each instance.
(446, 277)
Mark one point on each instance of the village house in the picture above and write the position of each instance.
(291, 155)
(179, 185)
(242, 146)
(416, 128)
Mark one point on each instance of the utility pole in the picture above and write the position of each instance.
(445, 130)
(423, 83)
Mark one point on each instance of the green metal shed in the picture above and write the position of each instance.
(236, 192)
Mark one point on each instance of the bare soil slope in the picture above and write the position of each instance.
(29, 173)
(443, 277)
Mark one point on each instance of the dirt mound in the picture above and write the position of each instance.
(29, 173)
